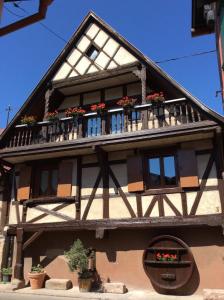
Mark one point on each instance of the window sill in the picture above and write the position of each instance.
(159, 191)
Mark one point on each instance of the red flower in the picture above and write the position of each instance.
(126, 101)
(159, 96)
(96, 107)
(73, 111)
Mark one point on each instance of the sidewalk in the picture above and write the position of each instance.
(74, 293)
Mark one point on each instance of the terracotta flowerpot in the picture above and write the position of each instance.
(85, 284)
(36, 280)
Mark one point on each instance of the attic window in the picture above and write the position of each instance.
(92, 52)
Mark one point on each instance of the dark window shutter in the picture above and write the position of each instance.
(65, 179)
(23, 192)
(135, 174)
(187, 163)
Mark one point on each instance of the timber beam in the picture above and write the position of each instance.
(131, 223)
(102, 157)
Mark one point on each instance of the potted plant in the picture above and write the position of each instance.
(52, 116)
(155, 98)
(28, 120)
(127, 103)
(75, 112)
(78, 261)
(6, 274)
(99, 108)
(36, 277)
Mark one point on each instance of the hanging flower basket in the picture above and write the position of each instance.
(28, 120)
(75, 112)
(155, 98)
(127, 103)
(52, 116)
(99, 108)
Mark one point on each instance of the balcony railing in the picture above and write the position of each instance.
(115, 121)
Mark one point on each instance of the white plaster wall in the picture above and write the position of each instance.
(96, 210)
(111, 47)
(146, 200)
(102, 60)
(63, 71)
(210, 200)
(101, 39)
(12, 215)
(118, 209)
(92, 30)
(69, 211)
(123, 57)
(175, 199)
(82, 65)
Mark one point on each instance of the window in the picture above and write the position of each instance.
(46, 181)
(161, 171)
(92, 52)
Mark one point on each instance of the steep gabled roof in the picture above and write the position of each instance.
(91, 17)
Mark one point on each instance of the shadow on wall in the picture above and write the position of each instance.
(120, 253)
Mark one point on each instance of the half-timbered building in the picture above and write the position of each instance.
(142, 185)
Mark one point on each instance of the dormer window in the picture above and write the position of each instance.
(92, 52)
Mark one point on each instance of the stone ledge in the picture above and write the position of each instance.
(114, 287)
(58, 284)
(213, 294)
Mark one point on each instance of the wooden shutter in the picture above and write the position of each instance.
(23, 192)
(65, 179)
(187, 163)
(135, 174)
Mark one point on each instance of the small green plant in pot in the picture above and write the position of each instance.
(6, 274)
(78, 261)
(36, 277)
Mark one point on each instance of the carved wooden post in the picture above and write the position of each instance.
(18, 270)
(48, 95)
(141, 74)
(143, 83)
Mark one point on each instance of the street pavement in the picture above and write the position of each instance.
(49, 295)
(16, 296)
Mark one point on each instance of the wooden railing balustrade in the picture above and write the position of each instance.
(115, 121)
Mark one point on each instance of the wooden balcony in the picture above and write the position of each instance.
(113, 122)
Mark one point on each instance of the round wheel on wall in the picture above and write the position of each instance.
(169, 263)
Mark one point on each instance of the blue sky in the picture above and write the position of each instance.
(158, 28)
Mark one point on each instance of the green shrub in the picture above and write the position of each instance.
(77, 258)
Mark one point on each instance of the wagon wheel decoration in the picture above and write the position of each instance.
(168, 262)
